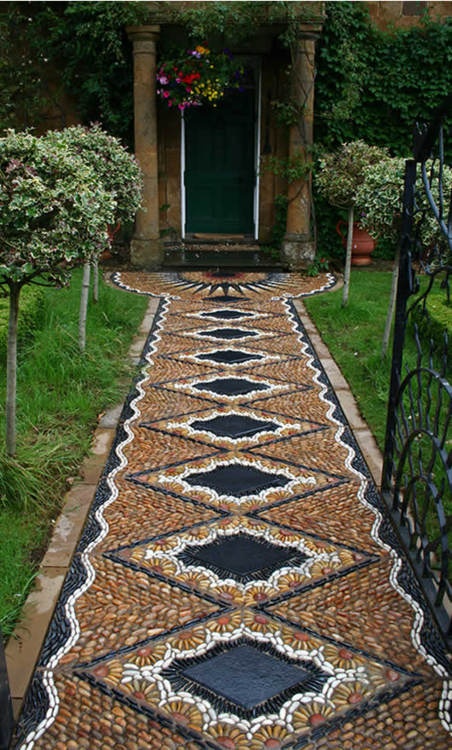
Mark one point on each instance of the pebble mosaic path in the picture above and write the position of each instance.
(237, 585)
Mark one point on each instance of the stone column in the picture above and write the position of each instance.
(146, 249)
(298, 247)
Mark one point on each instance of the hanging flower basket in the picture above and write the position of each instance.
(198, 76)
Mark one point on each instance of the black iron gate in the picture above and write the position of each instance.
(417, 471)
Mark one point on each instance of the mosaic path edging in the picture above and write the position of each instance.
(261, 636)
(422, 618)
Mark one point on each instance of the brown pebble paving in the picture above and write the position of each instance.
(232, 588)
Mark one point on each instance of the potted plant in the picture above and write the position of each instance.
(338, 178)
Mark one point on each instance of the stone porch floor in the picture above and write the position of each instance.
(236, 584)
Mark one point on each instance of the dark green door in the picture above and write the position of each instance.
(219, 167)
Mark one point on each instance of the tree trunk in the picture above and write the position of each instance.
(11, 370)
(96, 280)
(392, 304)
(348, 258)
(84, 306)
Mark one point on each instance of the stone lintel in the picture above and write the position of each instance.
(310, 14)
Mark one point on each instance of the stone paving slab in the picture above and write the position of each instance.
(237, 584)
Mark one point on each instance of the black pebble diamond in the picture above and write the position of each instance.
(231, 386)
(226, 314)
(228, 356)
(227, 333)
(245, 678)
(236, 480)
(234, 426)
(241, 557)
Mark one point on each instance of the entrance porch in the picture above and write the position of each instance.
(213, 174)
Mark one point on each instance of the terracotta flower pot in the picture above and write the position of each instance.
(362, 243)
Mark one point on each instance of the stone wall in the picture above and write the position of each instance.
(406, 14)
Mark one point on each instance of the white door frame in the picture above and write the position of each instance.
(256, 64)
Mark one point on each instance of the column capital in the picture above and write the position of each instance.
(148, 33)
(311, 31)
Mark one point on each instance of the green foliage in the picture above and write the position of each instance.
(53, 211)
(61, 395)
(320, 264)
(292, 168)
(22, 90)
(374, 85)
(342, 56)
(235, 22)
(279, 225)
(340, 173)
(29, 320)
(286, 113)
(116, 169)
(434, 316)
(379, 199)
(81, 47)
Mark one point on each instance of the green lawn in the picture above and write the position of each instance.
(60, 396)
(353, 335)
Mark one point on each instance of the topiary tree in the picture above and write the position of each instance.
(338, 178)
(53, 215)
(119, 174)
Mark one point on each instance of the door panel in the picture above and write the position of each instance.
(219, 166)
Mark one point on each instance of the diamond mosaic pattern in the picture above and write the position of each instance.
(227, 314)
(248, 678)
(228, 356)
(238, 594)
(231, 386)
(236, 480)
(227, 333)
(241, 557)
(234, 426)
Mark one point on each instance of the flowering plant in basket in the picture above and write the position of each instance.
(198, 76)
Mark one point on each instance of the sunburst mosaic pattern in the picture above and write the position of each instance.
(237, 585)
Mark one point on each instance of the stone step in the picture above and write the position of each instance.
(207, 254)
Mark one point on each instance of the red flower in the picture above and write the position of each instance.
(189, 78)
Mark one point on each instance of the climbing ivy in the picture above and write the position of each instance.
(235, 22)
(79, 49)
(374, 85)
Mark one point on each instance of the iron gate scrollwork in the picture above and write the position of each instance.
(417, 470)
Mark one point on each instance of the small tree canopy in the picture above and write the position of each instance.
(114, 166)
(54, 212)
(380, 200)
(340, 173)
